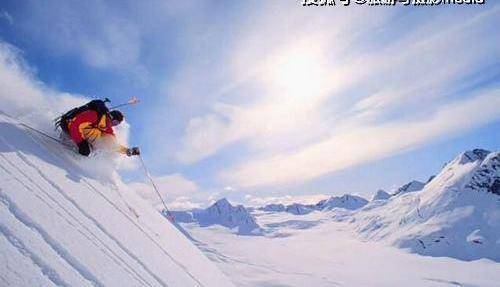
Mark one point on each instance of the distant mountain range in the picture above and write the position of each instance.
(456, 213)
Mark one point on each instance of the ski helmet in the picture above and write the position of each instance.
(116, 117)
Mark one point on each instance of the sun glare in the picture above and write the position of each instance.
(298, 76)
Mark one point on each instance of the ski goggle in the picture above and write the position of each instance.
(115, 122)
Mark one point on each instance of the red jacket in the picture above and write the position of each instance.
(87, 126)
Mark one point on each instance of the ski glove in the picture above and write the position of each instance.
(133, 151)
(84, 148)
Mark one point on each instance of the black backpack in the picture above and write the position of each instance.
(98, 106)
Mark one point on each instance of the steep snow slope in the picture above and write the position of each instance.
(62, 223)
(221, 213)
(457, 213)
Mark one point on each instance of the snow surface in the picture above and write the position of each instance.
(454, 220)
(68, 221)
(313, 250)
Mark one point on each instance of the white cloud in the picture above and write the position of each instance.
(24, 97)
(287, 79)
(322, 95)
(183, 203)
(169, 186)
(356, 144)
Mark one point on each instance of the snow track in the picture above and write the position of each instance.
(45, 268)
(65, 228)
(80, 226)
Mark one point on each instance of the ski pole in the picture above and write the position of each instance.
(169, 215)
(44, 134)
(132, 101)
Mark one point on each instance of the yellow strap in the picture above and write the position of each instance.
(102, 123)
(88, 132)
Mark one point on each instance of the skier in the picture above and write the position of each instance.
(90, 122)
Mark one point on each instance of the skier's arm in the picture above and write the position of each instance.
(108, 131)
(119, 147)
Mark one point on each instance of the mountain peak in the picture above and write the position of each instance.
(411, 186)
(298, 209)
(487, 176)
(381, 195)
(346, 201)
(473, 155)
(222, 212)
(222, 202)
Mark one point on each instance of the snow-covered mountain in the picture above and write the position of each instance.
(412, 186)
(346, 201)
(381, 195)
(66, 221)
(456, 214)
(221, 213)
(273, 207)
(299, 209)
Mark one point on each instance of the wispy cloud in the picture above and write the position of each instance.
(7, 17)
(360, 143)
(280, 95)
(323, 100)
(24, 96)
(174, 188)
(92, 31)
(183, 203)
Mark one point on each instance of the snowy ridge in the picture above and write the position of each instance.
(299, 209)
(224, 214)
(457, 214)
(487, 177)
(346, 201)
(273, 207)
(412, 186)
(61, 225)
(381, 195)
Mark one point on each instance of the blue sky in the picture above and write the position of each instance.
(268, 100)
